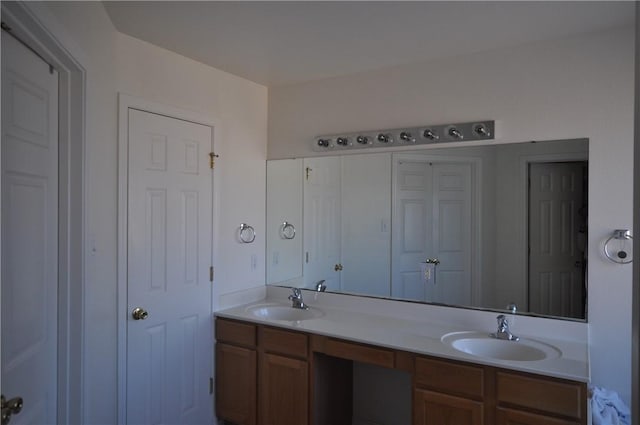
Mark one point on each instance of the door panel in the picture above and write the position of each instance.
(322, 225)
(434, 215)
(556, 264)
(169, 254)
(29, 232)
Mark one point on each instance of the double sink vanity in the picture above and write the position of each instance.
(276, 364)
(420, 251)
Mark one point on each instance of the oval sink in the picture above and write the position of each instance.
(281, 312)
(482, 345)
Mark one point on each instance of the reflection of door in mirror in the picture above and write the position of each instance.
(434, 204)
(347, 214)
(557, 231)
(322, 222)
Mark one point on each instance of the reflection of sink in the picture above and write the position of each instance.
(482, 345)
(281, 312)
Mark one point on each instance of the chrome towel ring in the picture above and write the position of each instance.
(287, 230)
(246, 233)
(616, 248)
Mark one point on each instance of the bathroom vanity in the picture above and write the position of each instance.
(271, 370)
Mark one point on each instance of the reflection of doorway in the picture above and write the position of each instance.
(557, 238)
(434, 217)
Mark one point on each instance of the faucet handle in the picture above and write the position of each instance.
(503, 323)
(296, 292)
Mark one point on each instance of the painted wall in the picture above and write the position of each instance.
(573, 88)
(118, 63)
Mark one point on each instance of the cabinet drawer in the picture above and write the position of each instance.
(549, 395)
(515, 417)
(450, 377)
(360, 353)
(284, 342)
(237, 333)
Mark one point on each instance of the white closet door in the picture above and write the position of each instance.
(169, 354)
(322, 222)
(29, 232)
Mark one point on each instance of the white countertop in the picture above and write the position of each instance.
(419, 336)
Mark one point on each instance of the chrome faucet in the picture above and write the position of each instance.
(296, 299)
(320, 286)
(503, 330)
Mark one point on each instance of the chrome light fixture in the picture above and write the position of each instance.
(422, 135)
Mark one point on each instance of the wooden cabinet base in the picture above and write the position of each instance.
(236, 384)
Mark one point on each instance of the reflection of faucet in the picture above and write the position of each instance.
(296, 299)
(320, 286)
(503, 330)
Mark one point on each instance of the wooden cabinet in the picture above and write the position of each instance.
(433, 408)
(272, 376)
(283, 377)
(448, 393)
(236, 372)
(284, 390)
(517, 417)
(531, 399)
(236, 384)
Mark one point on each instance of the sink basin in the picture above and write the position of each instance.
(281, 312)
(482, 345)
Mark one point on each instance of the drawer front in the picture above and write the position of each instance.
(284, 342)
(557, 397)
(450, 377)
(360, 353)
(238, 333)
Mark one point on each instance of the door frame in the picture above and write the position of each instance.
(126, 102)
(525, 160)
(476, 209)
(28, 28)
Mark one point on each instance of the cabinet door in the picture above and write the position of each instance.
(236, 384)
(517, 417)
(284, 391)
(432, 408)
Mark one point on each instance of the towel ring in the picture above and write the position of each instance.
(621, 256)
(246, 233)
(287, 230)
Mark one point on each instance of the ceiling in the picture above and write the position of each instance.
(279, 43)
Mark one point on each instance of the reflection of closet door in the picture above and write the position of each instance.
(322, 222)
(556, 277)
(366, 222)
(433, 219)
(451, 241)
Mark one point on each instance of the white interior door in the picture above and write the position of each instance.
(322, 222)
(556, 275)
(451, 233)
(433, 219)
(29, 232)
(169, 354)
(412, 228)
(366, 224)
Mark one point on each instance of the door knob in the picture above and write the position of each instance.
(139, 313)
(10, 407)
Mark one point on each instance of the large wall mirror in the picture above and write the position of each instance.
(482, 227)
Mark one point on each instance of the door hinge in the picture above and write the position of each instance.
(210, 273)
(210, 385)
(212, 159)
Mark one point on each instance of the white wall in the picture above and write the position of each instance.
(574, 88)
(117, 63)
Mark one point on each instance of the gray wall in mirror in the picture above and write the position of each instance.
(470, 226)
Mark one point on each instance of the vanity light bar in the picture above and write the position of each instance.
(428, 134)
